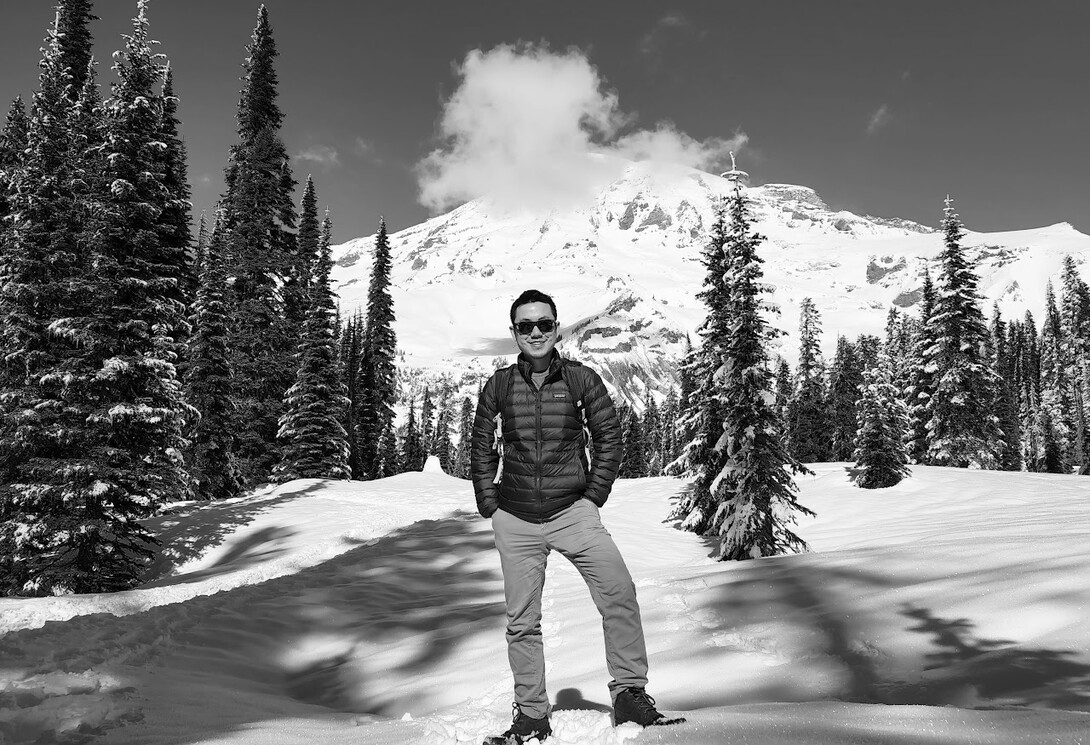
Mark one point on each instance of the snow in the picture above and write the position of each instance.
(625, 295)
(951, 608)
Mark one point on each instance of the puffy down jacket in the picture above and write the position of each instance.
(544, 468)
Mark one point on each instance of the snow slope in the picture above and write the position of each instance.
(951, 608)
(625, 269)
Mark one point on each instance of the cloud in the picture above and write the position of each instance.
(323, 155)
(652, 40)
(879, 119)
(537, 127)
(365, 149)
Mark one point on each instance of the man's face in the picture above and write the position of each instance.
(535, 345)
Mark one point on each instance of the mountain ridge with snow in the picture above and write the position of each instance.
(625, 268)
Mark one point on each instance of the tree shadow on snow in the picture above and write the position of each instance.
(996, 671)
(188, 532)
(963, 670)
(341, 635)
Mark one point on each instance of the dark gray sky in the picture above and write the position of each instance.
(882, 107)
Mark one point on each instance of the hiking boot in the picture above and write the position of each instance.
(634, 705)
(523, 729)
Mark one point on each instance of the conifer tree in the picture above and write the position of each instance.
(881, 457)
(412, 446)
(297, 283)
(700, 423)
(209, 383)
(465, 435)
(1056, 388)
(921, 383)
(753, 487)
(177, 216)
(845, 379)
(963, 429)
(784, 387)
(13, 141)
(378, 374)
(46, 293)
(201, 247)
(315, 442)
(441, 445)
(634, 458)
(668, 427)
(652, 431)
(260, 219)
(389, 456)
(807, 415)
(1075, 324)
(1010, 453)
(351, 356)
(118, 457)
(426, 424)
(75, 42)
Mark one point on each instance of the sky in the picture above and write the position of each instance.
(406, 109)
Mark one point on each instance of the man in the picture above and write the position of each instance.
(542, 494)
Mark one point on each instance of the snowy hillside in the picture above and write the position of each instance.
(950, 609)
(625, 270)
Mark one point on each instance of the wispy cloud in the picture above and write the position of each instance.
(539, 127)
(879, 119)
(323, 155)
(364, 148)
(671, 22)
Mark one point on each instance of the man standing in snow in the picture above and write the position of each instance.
(540, 480)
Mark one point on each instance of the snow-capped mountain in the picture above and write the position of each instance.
(626, 268)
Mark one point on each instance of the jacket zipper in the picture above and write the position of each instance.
(537, 461)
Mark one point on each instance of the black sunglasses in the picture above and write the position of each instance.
(525, 328)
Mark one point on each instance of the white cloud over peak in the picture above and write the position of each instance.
(323, 155)
(528, 125)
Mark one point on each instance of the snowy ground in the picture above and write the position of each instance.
(952, 608)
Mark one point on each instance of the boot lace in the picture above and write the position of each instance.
(644, 703)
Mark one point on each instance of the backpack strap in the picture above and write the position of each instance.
(574, 381)
(505, 381)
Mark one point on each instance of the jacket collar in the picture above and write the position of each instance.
(555, 365)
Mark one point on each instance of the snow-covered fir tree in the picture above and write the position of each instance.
(1056, 388)
(209, 383)
(921, 381)
(297, 283)
(962, 429)
(881, 455)
(177, 216)
(315, 444)
(113, 453)
(845, 379)
(700, 424)
(378, 371)
(260, 219)
(13, 142)
(1075, 324)
(807, 425)
(754, 489)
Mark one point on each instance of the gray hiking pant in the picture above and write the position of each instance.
(578, 534)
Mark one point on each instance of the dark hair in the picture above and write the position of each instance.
(531, 296)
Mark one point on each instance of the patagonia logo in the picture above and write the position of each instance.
(560, 395)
